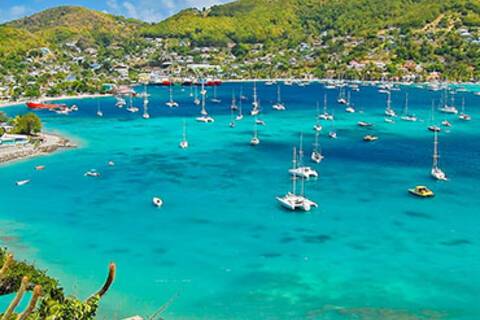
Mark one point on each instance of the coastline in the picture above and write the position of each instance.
(50, 144)
(4, 104)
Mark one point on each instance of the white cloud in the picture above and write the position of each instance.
(13, 13)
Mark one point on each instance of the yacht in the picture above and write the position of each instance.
(92, 173)
(196, 100)
(303, 171)
(171, 103)
(291, 200)
(99, 111)
(255, 105)
(157, 202)
(184, 143)
(215, 99)
(437, 173)
(433, 127)
(463, 116)
(131, 108)
(317, 127)
(239, 116)
(449, 109)
(204, 117)
(255, 141)
(120, 102)
(279, 106)
(234, 106)
(406, 116)
(325, 115)
(22, 182)
(364, 124)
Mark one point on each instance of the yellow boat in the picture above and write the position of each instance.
(370, 138)
(422, 192)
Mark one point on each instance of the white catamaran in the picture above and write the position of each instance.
(291, 200)
(171, 103)
(437, 173)
(303, 171)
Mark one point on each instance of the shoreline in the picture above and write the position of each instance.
(51, 143)
(4, 104)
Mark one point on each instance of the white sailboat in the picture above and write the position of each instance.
(146, 115)
(131, 108)
(279, 106)
(317, 126)
(255, 141)
(449, 109)
(389, 112)
(464, 116)
(255, 105)
(406, 116)
(184, 143)
(171, 103)
(239, 116)
(22, 182)
(433, 127)
(120, 102)
(204, 117)
(303, 171)
(291, 200)
(234, 106)
(317, 156)
(99, 111)
(349, 108)
(437, 173)
(341, 96)
(325, 115)
(196, 100)
(333, 132)
(215, 99)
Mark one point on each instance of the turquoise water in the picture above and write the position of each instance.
(221, 242)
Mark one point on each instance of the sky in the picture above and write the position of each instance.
(147, 10)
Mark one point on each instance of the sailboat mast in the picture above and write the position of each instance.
(279, 99)
(203, 98)
(294, 177)
(325, 103)
(406, 104)
(435, 150)
(300, 151)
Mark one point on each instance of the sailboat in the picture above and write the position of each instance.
(171, 103)
(191, 92)
(196, 100)
(255, 141)
(325, 115)
(433, 127)
(446, 108)
(99, 111)
(242, 96)
(146, 115)
(234, 106)
(215, 99)
(204, 117)
(341, 96)
(240, 114)
(333, 133)
(120, 102)
(291, 200)
(317, 156)
(437, 173)
(131, 108)
(349, 108)
(389, 112)
(317, 127)
(303, 171)
(184, 143)
(255, 106)
(279, 106)
(406, 116)
(463, 116)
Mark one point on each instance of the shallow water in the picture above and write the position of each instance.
(221, 242)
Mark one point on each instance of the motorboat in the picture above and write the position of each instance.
(157, 202)
(92, 173)
(370, 138)
(22, 182)
(422, 192)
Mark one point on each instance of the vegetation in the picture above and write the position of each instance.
(29, 124)
(52, 303)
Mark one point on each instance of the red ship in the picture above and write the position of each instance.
(42, 106)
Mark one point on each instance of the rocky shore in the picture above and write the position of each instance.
(45, 143)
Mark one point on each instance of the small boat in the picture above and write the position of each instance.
(291, 200)
(196, 100)
(434, 128)
(22, 182)
(92, 173)
(171, 103)
(406, 116)
(111, 163)
(349, 108)
(364, 124)
(255, 104)
(463, 116)
(184, 143)
(370, 138)
(279, 106)
(389, 112)
(325, 115)
(422, 192)
(317, 126)
(239, 116)
(437, 173)
(448, 109)
(40, 168)
(446, 123)
(205, 119)
(389, 120)
(255, 141)
(317, 156)
(157, 202)
(332, 135)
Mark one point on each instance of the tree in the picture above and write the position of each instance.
(28, 124)
(3, 117)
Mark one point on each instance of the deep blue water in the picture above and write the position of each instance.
(221, 241)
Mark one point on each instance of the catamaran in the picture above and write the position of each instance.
(171, 103)
(406, 116)
(325, 115)
(463, 116)
(437, 173)
(389, 112)
(303, 171)
(204, 117)
(99, 111)
(184, 143)
(255, 141)
(279, 106)
(317, 156)
(255, 105)
(291, 200)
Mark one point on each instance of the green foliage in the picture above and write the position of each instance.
(28, 124)
(3, 117)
